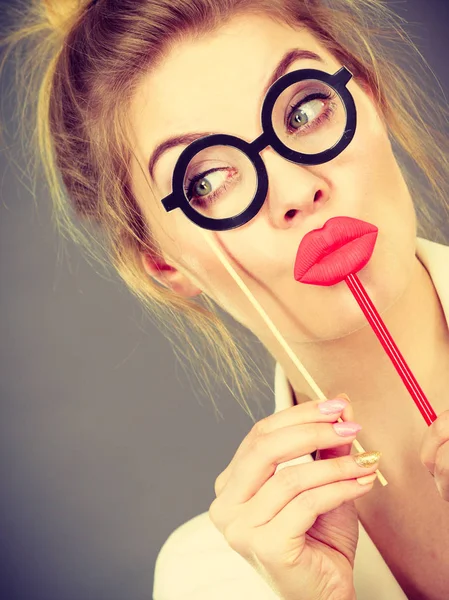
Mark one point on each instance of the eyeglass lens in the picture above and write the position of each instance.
(308, 117)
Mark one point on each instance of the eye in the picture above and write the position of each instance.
(308, 111)
(205, 185)
(305, 113)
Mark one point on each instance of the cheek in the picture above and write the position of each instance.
(175, 235)
(368, 168)
(383, 198)
(184, 244)
(371, 146)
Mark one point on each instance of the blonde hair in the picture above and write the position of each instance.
(82, 63)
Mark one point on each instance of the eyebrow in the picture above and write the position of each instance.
(184, 139)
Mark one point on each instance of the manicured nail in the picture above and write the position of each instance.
(367, 459)
(330, 407)
(346, 428)
(366, 479)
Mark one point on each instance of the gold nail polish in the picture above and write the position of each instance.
(367, 459)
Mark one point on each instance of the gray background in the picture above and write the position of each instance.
(104, 446)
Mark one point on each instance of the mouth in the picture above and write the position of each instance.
(326, 256)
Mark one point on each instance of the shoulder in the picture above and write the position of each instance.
(186, 558)
(197, 563)
(191, 535)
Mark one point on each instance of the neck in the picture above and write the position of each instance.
(359, 366)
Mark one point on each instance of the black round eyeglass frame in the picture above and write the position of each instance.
(178, 198)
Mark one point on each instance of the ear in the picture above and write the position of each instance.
(169, 276)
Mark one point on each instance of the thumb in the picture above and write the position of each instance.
(346, 415)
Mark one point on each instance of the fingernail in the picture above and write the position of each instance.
(367, 459)
(346, 428)
(332, 406)
(366, 479)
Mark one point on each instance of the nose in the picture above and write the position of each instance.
(294, 191)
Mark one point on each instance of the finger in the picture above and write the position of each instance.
(441, 472)
(283, 533)
(288, 483)
(346, 415)
(261, 459)
(436, 434)
(348, 412)
(306, 412)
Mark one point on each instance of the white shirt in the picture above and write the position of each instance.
(196, 562)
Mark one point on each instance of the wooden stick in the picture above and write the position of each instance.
(277, 334)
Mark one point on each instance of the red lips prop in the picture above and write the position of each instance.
(336, 252)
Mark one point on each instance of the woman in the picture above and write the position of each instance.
(131, 84)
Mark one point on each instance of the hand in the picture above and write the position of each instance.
(434, 453)
(298, 525)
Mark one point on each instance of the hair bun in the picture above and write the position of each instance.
(61, 13)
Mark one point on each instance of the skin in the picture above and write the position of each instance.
(214, 83)
(364, 182)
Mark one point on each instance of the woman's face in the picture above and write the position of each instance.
(215, 84)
